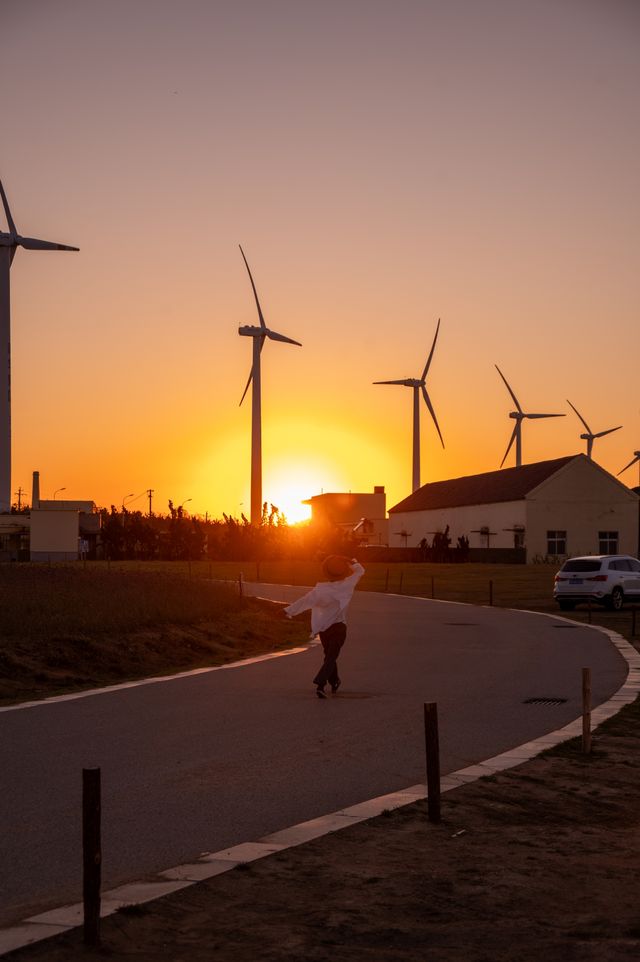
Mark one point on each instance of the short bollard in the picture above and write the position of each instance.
(586, 711)
(91, 854)
(433, 760)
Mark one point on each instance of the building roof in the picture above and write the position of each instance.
(508, 484)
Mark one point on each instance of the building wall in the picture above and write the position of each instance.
(54, 535)
(465, 520)
(582, 499)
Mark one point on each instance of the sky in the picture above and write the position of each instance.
(383, 163)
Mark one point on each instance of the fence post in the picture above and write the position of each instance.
(433, 590)
(91, 854)
(386, 581)
(257, 571)
(240, 587)
(433, 760)
(210, 578)
(586, 711)
(490, 592)
(400, 585)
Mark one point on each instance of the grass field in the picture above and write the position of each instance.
(71, 626)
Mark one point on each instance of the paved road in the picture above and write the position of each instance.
(204, 762)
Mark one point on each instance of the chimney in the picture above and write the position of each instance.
(35, 490)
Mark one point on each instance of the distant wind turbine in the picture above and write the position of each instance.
(419, 384)
(519, 416)
(636, 457)
(590, 437)
(258, 334)
(9, 243)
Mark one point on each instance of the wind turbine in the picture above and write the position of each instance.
(519, 416)
(258, 334)
(636, 457)
(419, 384)
(9, 242)
(590, 437)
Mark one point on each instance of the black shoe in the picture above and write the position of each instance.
(320, 692)
(335, 687)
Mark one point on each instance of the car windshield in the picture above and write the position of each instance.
(581, 564)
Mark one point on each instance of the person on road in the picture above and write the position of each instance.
(328, 602)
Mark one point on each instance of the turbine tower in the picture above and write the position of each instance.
(419, 384)
(636, 457)
(9, 242)
(519, 416)
(590, 437)
(258, 334)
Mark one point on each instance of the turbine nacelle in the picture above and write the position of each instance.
(14, 239)
(519, 416)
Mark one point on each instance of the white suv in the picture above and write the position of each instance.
(607, 579)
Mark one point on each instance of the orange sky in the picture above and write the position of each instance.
(382, 164)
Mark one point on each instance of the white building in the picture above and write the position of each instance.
(364, 515)
(549, 509)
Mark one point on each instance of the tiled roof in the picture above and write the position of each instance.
(508, 484)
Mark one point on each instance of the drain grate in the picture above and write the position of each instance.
(545, 701)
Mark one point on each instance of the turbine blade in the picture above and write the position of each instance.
(544, 415)
(247, 387)
(510, 444)
(433, 347)
(392, 382)
(637, 458)
(255, 293)
(515, 399)
(601, 434)
(5, 204)
(280, 337)
(579, 415)
(431, 412)
(33, 244)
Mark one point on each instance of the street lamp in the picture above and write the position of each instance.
(124, 500)
(57, 491)
(184, 502)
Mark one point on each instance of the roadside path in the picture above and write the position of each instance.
(208, 761)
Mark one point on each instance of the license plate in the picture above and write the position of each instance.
(575, 581)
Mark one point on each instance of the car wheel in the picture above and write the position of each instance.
(615, 600)
(567, 605)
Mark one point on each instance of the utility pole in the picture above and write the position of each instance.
(19, 494)
(150, 493)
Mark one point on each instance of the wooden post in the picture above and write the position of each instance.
(400, 585)
(433, 760)
(91, 854)
(386, 581)
(586, 711)
(257, 571)
(210, 578)
(189, 564)
(433, 589)
(240, 587)
(490, 592)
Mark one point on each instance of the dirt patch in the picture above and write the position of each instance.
(539, 862)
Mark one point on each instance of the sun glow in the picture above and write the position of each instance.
(290, 483)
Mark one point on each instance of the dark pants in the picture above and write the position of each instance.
(332, 641)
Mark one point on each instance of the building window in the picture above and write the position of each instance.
(607, 542)
(556, 542)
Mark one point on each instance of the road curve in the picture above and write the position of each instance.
(203, 762)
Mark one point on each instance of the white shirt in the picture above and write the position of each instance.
(328, 601)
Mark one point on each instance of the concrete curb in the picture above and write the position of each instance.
(54, 922)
